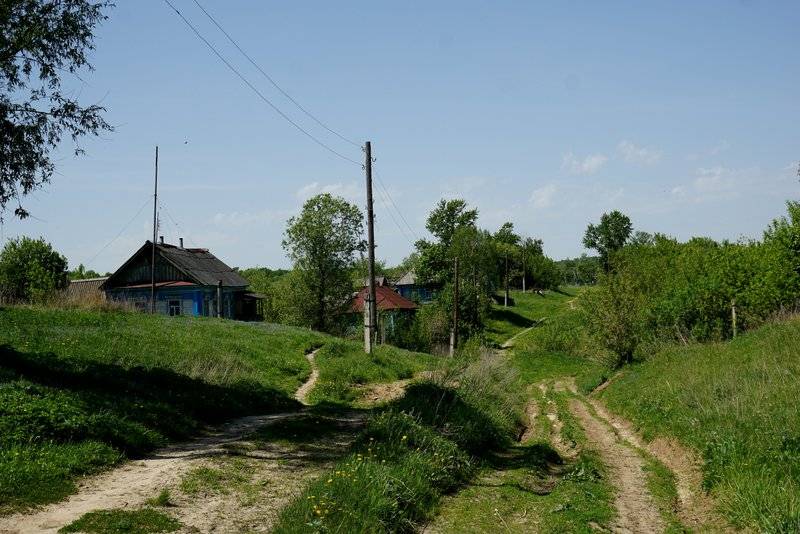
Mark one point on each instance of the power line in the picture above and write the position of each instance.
(271, 80)
(402, 231)
(400, 213)
(255, 89)
(146, 202)
(177, 226)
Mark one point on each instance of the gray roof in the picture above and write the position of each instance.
(201, 265)
(408, 279)
(84, 287)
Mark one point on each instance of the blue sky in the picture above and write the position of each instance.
(684, 115)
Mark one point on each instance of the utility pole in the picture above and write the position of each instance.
(155, 230)
(454, 331)
(371, 325)
(524, 271)
(505, 302)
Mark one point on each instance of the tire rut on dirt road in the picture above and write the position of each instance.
(637, 511)
(132, 484)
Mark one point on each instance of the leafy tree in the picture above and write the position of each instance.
(447, 217)
(40, 42)
(435, 263)
(608, 236)
(322, 242)
(82, 272)
(641, 239)
(30, 270)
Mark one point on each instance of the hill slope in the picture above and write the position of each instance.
(738, 403)
(80, 391)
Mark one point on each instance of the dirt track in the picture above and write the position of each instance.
(130, 485)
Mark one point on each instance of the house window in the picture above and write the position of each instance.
(174, 308)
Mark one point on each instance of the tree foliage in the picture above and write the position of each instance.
(608, 236)
(40, 42)
(30, 270)
(322, 242)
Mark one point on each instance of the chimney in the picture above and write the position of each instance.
(161, 240)
(181, 242)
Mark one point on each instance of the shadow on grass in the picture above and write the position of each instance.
(511, 317)
(133, 409)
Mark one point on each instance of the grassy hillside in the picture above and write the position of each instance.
(80, 390)
(528, 308)
(738, 403)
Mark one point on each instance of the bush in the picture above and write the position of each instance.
(30, 270)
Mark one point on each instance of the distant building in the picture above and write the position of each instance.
(189, 281)
(85, 289)
(393, 308)
(408, 287)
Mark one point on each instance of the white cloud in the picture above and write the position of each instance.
(713, 179)
(633, 153)
(542, 197)
(589, 165)
(350, 191)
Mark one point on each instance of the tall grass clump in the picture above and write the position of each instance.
(737, 404)
(411, 453)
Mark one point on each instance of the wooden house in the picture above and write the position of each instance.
(188, 281)
(408, 287)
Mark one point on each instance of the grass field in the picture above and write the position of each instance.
(738, 404)
(343, 367)
(528, 309)
(81, 390)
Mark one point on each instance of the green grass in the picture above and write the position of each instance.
(411, 452)
(529, 308)
(123, 522)
(82, 390)
(344, 366)
(737, 404)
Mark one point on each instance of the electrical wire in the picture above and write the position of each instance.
(146, 202)
(270, 79)
(177, 226)
(402, 231)
(391, 200)
(255, 89)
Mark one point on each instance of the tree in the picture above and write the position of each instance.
(609, 236)
(435, 263)
(322, 242)
(82, 272)
(30, 270)
(40, 41)
(447, 217)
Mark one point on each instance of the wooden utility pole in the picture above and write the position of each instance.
(524, 271)
(505, 301)
(733, 316)
(155, 230)
(371, 326)
(454, 331)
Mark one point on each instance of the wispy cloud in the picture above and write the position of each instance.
(542, 197)
(633, 153)
(588, 165)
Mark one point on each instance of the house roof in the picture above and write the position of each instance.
(201, 265)
(408, 279)
(387, 300)
(379, 281)
(84, 287)
(198, 264)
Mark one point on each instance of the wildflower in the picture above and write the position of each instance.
(330, 480)
(404, 438)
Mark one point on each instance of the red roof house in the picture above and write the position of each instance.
(388, 300)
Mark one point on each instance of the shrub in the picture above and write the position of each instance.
(30, 270)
